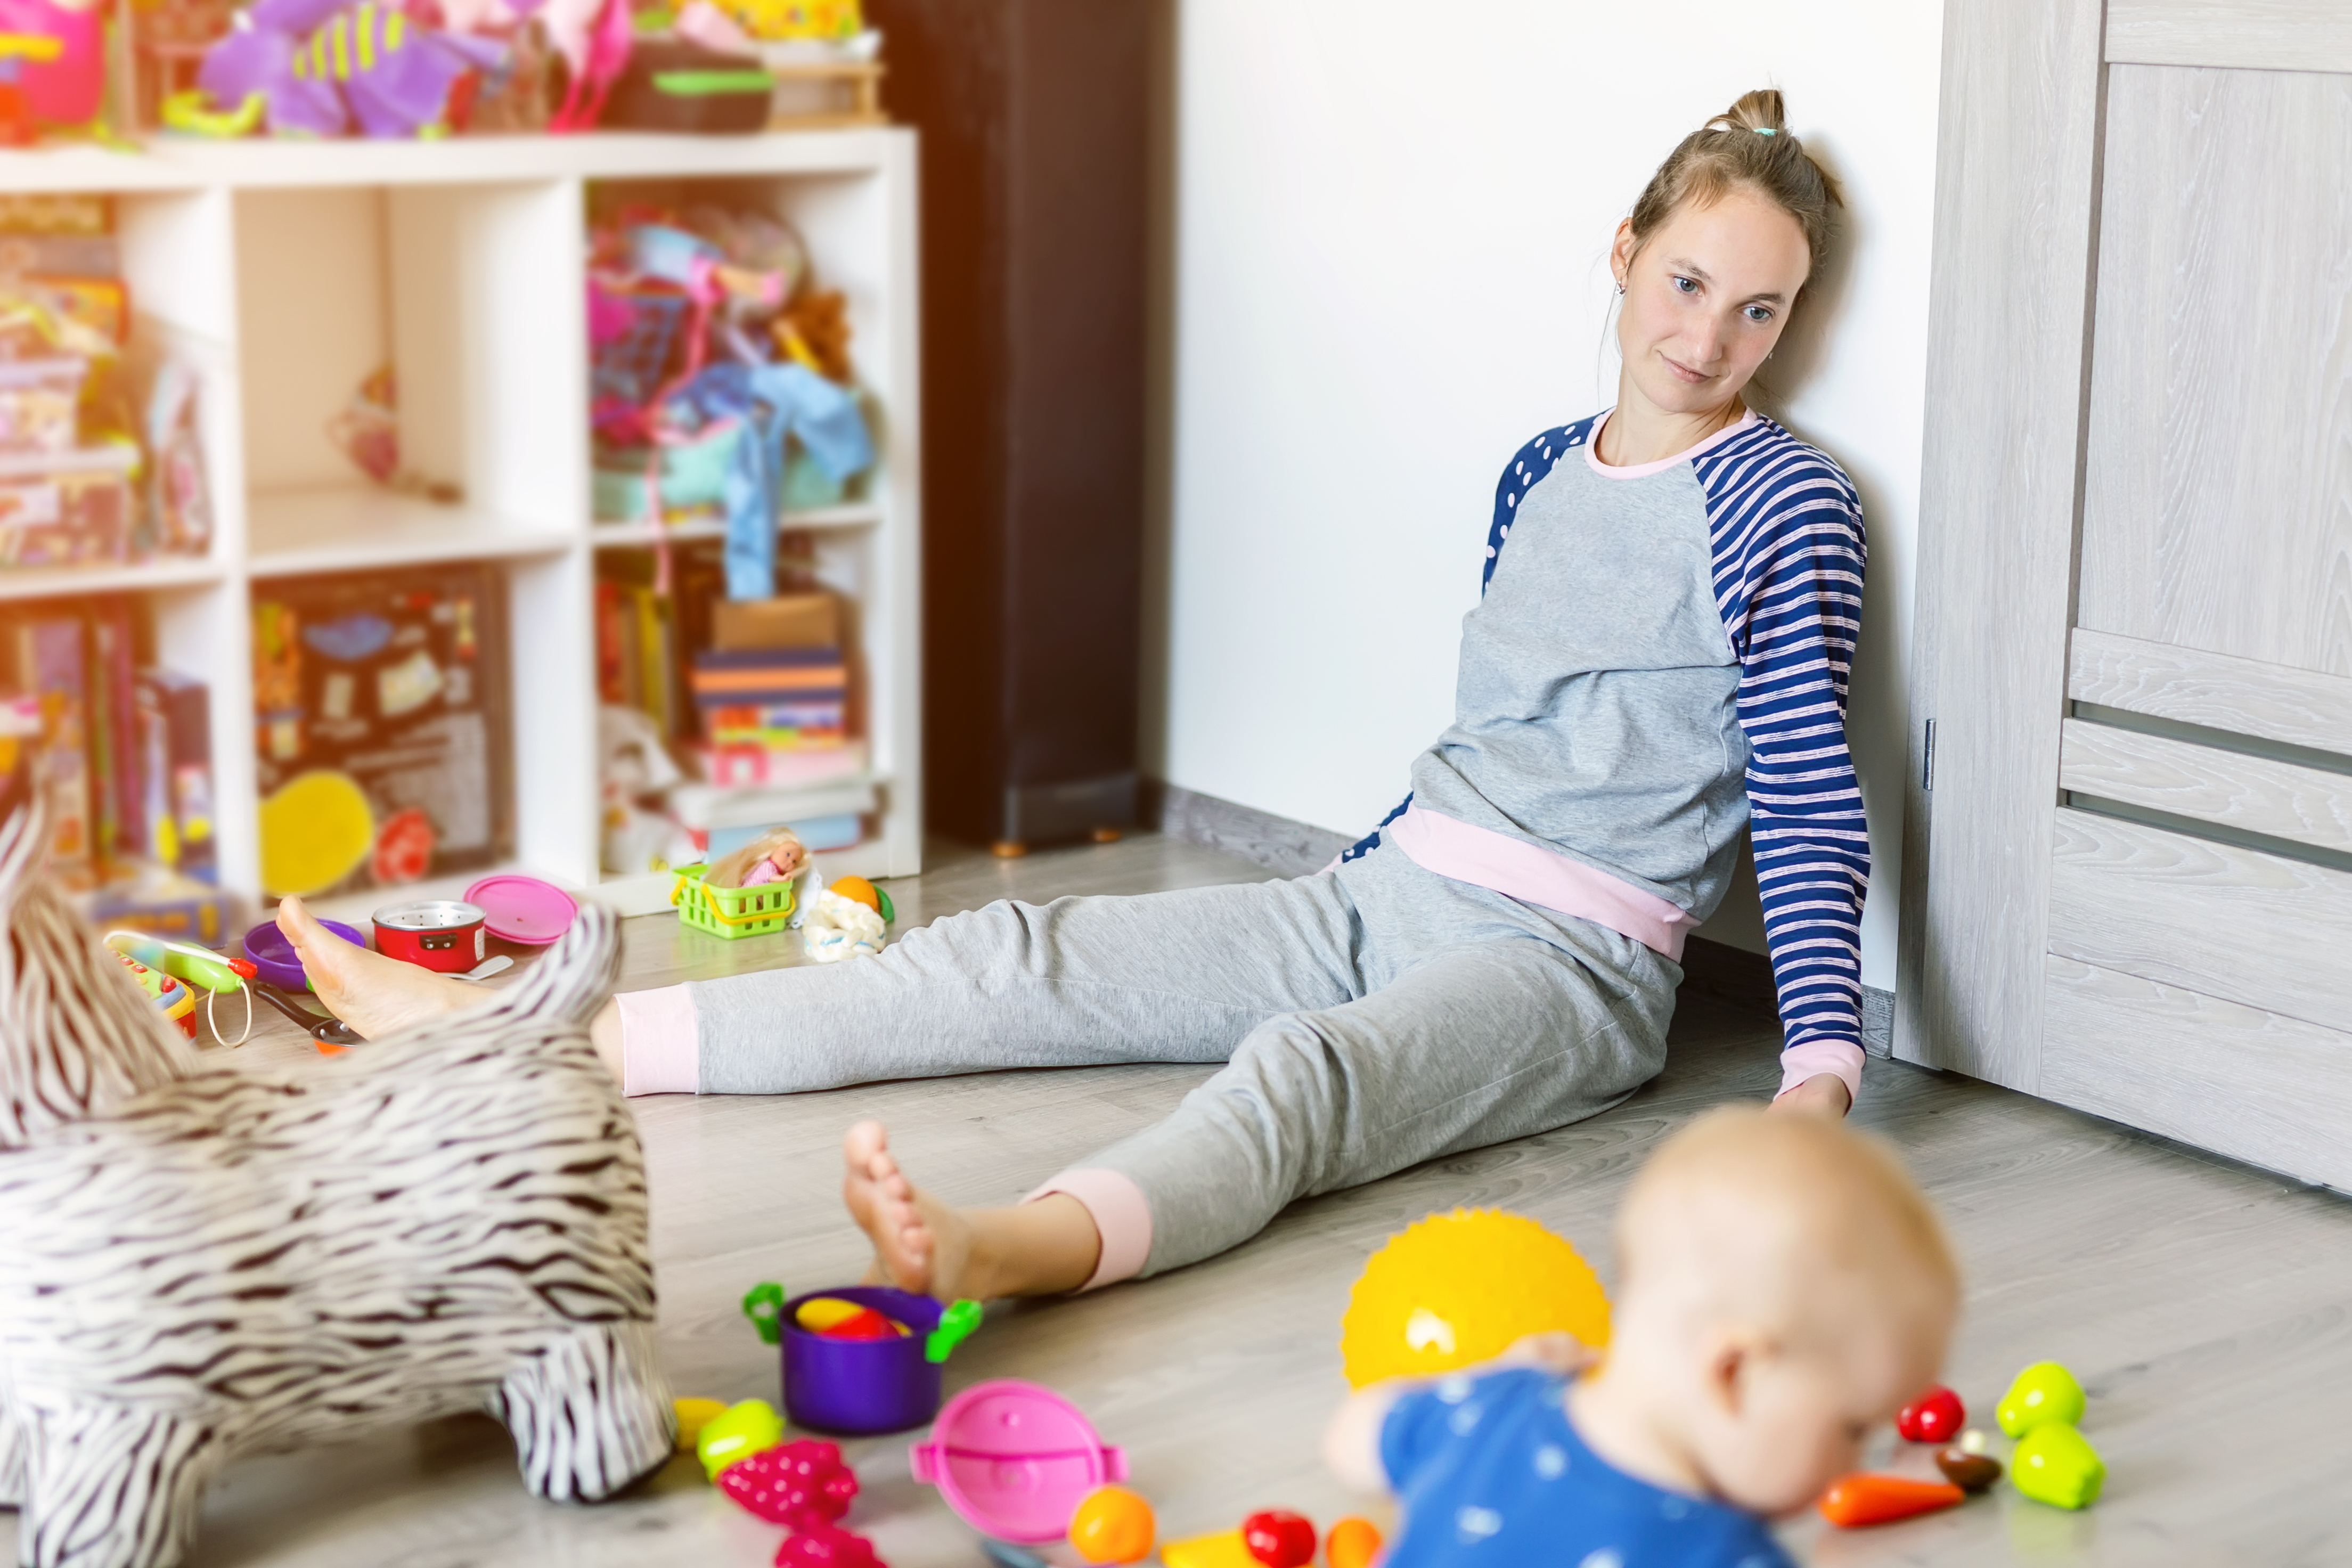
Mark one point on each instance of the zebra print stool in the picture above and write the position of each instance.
(197, 1264)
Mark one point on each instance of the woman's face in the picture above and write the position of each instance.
(1705, 298)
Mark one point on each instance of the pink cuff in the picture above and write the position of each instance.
(1815, 1058)
(1544, 878)
(658, 1053)
(1122, 1217)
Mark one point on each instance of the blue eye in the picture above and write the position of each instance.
(1687, 284)
(1759, 314)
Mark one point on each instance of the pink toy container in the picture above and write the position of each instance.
(1015, 1460)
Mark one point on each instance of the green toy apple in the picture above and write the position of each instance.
(2044, 1392)
(2055, 1464)
(736, 1433)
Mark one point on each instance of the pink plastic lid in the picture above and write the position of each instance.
(1015, 1460)
(524, 909)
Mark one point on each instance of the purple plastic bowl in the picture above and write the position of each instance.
(273, 955)
(857, 1386)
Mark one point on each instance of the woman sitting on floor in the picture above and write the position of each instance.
(1660, 657)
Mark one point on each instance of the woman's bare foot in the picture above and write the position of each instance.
(1043, 1248)
(373, 993)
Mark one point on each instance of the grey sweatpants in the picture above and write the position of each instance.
(1368, 1017)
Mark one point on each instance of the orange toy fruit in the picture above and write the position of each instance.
(857, 890)
(1858, 1500)
(1352, 1543)
(1113, 1524)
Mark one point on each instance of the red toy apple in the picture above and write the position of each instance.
(1935, 1416)
(1279, 1538)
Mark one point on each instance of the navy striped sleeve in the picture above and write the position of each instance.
(1786, 527)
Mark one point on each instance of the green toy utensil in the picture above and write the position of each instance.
(956, 1325)
(764, 1304)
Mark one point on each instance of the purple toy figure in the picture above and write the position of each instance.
(322, 64)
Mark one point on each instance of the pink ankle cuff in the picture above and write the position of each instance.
(1122, 1217)
(1815, 1058)
(659, 1051)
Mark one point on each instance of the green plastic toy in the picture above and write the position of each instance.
(2055, 1464)
(737, 1433)
(764, 1304)
(2044, 1393)
(956, 1325)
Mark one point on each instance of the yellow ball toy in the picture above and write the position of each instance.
(1461, 1288)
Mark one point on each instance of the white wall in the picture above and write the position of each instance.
(1389, 224)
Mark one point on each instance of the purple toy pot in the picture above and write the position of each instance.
(273, 955)
(857, 1386)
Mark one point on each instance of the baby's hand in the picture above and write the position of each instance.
(1557, 1351)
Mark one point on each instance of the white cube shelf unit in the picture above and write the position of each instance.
(287, 272)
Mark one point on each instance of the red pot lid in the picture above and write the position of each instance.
(524, 909)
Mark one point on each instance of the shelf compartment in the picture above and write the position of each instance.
(156, 572)
(356, 528)
(849, 514)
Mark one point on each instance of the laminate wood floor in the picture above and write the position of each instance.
(2206, 1307)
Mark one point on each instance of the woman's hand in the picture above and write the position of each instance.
(1823, 1094)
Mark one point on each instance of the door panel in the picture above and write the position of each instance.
(2217, 509)
(2252, 35)
(2189, 686)
(2235, 1080)
(2247, 795)
(2257, 929)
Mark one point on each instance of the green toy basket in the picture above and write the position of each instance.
(730, 913)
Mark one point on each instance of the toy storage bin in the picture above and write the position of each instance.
(39, 403)
(693, 474)
(730, 913)
(67, 508)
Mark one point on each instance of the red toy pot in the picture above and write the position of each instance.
(436, 934)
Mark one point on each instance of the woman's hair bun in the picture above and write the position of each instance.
(1759, 111)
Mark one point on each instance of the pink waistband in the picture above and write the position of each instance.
(1534, 874)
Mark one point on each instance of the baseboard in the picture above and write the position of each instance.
(1296, 849)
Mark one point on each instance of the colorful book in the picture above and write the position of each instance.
(50, 667)
(176, 772)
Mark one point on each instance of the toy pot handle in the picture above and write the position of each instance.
(923, 1457)
(1115, 1463)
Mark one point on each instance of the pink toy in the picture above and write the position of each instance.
(802, 1484)
(1015, 1460)
(827, 1546)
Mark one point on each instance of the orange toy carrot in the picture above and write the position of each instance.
(1858, 1500)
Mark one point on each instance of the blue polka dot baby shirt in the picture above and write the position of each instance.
(1490, 1471)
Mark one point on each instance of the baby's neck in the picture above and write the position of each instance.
(1617, 1415)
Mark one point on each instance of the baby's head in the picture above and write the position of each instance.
(1783, 1288)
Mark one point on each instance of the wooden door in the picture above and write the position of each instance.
(2128, 884)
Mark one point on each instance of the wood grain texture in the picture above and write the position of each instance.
(2245, 695)
(2212, 918)
(2202, 1303)
(2250, 35)
(2254, 794)
(2217, 506)
(2016, 172)
(2273, 1090)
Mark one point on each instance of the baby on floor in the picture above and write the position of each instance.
(1783, 1288)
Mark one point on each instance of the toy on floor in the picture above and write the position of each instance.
(799, 1485)
(1935, 1416)
(1113, 1524)
(2044, 1393)
(192, 968)
(136, 1181)
(737, 1433)
(875, 1369)
(693, 1416)
(1460, 1288)
(1972, 1473)
(857, 890)
(177, 1002)
(2055, 1464)
(764, 1304)
(1353, 1543)
(1279, 1538)
(827, 1546)
(1015, 1460)
(1859, 1500)
(839, 927)
(776, 856)
(1224, 1549)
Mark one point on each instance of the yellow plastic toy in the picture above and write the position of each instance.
(1461, 1288)
(1223, 1549)
(693, 1416)
(314, 832)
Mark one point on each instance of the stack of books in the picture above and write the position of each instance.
(772, 715)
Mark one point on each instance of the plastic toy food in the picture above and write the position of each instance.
(822, 1312)
(764, 1304)
(1858, 1500)
(1459, 1288)
(1224, 1550)
(866, 1323)
(1352, 1543)
(1972, 1473)
(859, 891)
(799, 1485)
(1935, 1416)
(693, 1416)
(736, 1433)
(1279, 1538)
(827, 1546)
(2055, 1464)
(2044, 1393)
(1113, 1525)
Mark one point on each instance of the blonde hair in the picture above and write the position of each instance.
(1747, 146)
